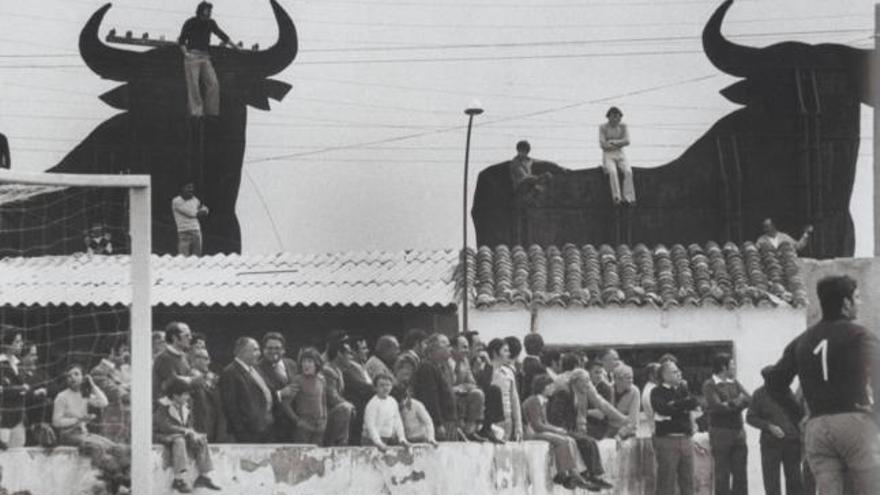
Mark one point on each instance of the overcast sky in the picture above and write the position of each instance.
(366, 151)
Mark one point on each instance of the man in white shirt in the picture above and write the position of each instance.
(187, 210)
(613, 137)
(773, 237)
(653, 372)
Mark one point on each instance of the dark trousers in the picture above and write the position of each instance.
(589, 449)
(730, 455)
(787, 453)
(675, 464)
(494, 412)
(264, 436)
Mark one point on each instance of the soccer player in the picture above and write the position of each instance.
(836, 362)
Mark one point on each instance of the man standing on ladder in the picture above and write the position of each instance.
(195, 37)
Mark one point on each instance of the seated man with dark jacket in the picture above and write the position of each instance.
(173, 427)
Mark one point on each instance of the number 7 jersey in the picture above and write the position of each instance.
(836, 361)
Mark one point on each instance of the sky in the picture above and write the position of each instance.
(366, 151)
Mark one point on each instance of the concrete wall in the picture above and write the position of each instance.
(465, 469)
(758, 336)
(865, 270)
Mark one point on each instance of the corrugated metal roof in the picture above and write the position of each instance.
(730, 276)
(13, 193)
(404, 278)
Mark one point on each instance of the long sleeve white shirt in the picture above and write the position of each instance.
(382, 420)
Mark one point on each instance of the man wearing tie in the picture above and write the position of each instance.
(247, 399)
(278, 371)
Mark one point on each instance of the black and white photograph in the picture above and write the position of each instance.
(411, 247)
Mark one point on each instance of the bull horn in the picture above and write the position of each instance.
(275, 58)
(736, 60)
(109, 63)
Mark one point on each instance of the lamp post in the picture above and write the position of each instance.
(472, 111)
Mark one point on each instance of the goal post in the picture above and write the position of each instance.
(140, 307)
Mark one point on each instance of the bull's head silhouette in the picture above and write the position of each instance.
(155, 136)
(761, 67)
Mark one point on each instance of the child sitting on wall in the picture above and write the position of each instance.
(383, 426)
(173, 427)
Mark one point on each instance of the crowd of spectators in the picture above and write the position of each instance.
(86, 408)
(424, 389)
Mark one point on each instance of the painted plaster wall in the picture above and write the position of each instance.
(466, 469)
(758, 336)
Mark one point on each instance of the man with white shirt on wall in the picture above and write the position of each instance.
(187, 210)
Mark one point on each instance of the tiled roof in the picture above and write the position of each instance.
(729, 276)
(402, 278)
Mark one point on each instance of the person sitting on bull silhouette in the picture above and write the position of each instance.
(195, 39)
(524, 175)
(613, 137)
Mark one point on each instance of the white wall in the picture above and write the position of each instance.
(758, 336)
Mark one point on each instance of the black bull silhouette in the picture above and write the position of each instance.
(789, 154)
(155, 136)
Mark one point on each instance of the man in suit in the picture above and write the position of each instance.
(208, 416)
(383, 358)
(247, 400)
(14, 392)
(172, 361)
(469, 398)
(116, 417)
(432, 385)
(726, 399)
(357, 388)
(278, 371)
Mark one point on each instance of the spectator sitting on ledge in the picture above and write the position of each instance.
(174, 427)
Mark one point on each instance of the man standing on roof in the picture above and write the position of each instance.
(613, 137)
(195, 38)
(5, 160)
(187, 210)
(775, 238)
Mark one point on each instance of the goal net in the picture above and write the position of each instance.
(74, 282)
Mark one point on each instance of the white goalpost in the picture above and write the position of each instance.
(57, 202)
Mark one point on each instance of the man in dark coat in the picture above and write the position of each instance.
(208, 416)
(499, 186)
(432, 385)
(357, 387)
(172, 361)
(278, 371)
(5, 159)
(247, 400)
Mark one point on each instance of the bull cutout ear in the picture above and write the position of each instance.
(738, 92)
(261, 91)
(117, 97)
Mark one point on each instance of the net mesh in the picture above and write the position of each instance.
(47, 228)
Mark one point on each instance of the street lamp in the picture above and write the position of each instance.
(473, 110)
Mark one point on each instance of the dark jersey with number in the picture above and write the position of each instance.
(836, 361)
